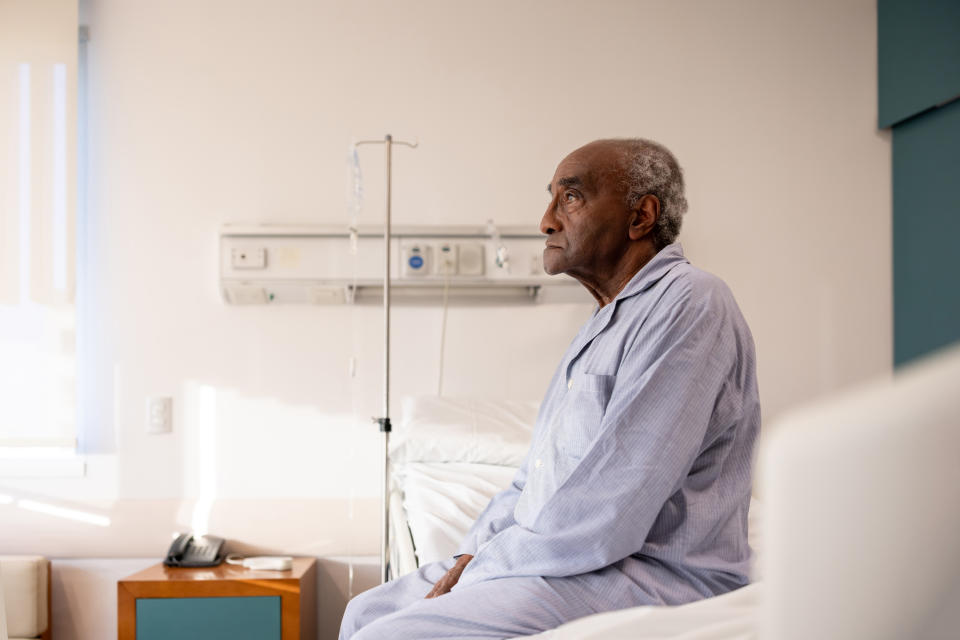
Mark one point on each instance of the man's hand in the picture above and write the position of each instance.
(450, 578)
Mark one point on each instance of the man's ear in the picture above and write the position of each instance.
(646, 211)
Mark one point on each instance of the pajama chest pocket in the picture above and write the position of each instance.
(582, 412)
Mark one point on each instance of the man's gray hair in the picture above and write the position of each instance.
(651, 168)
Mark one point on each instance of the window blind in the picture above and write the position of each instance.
(38, 155)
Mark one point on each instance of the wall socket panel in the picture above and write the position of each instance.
(159, 414)
(440, 259)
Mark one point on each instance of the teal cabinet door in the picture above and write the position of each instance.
(248, 618)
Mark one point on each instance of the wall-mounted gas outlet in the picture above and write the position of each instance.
(159, 414)
(248, 258)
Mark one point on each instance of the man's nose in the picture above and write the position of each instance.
(549, 223)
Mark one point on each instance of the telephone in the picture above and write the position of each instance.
(195, 551)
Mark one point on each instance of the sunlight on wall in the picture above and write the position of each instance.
(243, 455)
(63, 512)
(242, 446)
(206, 458)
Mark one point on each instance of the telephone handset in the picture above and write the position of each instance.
(195, 551)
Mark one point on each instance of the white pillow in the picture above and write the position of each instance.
(433, 429)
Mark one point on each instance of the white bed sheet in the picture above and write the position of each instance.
(403, 560)
(732, 616)
(442, 500)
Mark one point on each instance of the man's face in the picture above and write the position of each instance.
(587, 219)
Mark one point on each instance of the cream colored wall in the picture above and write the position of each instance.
(207, 112)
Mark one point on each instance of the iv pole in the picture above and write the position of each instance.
(384, 421)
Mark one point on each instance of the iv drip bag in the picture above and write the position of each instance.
(354, 194)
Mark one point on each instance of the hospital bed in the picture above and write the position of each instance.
(859, 514)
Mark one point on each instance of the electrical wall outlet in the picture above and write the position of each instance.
(159, 414)
(248, 258)
(447, 259)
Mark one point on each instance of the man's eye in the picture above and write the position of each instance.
(570, 196)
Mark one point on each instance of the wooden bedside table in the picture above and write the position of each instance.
(227, 601)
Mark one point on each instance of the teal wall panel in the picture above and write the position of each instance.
(249, 618)
(926, 232)
(918, 48)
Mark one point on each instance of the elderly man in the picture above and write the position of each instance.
(636, 486)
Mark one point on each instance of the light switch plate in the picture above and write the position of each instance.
(159, 414)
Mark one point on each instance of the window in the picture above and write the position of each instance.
(38, 203)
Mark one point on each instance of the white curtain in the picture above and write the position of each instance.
(38, 187)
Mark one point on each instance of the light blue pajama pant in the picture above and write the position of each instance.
(503, 608)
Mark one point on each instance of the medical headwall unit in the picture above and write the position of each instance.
(275, 264)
